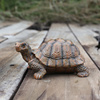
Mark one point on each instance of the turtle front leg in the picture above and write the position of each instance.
(40, 70)
(82, 71)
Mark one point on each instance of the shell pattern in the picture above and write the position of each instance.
(59, 53)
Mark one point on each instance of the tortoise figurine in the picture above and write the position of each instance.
(55, 55)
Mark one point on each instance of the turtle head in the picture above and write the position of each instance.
(25, 51)
(21, 47)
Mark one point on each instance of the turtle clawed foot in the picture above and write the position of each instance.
(83, 74)
(38, 76)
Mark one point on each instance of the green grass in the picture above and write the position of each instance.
(80, 11)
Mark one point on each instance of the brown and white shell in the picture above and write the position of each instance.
(59, 53)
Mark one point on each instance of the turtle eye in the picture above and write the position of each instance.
(24, 44)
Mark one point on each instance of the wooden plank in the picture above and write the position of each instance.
(12, 66)
(2, 39)
(94, 28)
(87, 40)
(59, 32)
(85, 35)
(38, 90)
(15, 28)
(6, 23)
(19, 37)
(32, 91)
(7, 48)
(35, 42)
(80, 91)
(62, 87)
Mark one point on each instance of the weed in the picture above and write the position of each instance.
(80, 11)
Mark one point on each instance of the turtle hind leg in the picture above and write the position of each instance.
(82, 71)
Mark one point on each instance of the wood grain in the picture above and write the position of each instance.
(15, 28)
(94, 28)
(6, 23)
(86, 37)
(2, 39)
(62, 86)
(18, 38)
(12, 66)
(36, 40)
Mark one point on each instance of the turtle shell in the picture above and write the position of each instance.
(59, 53)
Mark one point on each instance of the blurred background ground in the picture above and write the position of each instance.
(48, 11)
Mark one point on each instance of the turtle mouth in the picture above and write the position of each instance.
(17, 47)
